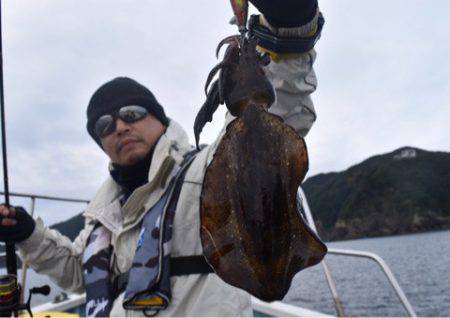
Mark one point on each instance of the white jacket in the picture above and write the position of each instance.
(48, 252)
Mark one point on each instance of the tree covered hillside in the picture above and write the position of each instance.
(405, 191)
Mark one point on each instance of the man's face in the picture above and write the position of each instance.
(131, 142)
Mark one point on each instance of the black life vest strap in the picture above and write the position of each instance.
(179, 266)
(188, 265)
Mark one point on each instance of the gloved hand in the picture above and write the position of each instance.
(287, 13)
(16, 224)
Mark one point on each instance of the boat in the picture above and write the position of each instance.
(73, 305)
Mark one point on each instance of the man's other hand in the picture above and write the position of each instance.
(16, 224)
(287, 13)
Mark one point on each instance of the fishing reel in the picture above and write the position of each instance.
(10, 296)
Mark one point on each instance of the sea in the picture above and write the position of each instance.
(420, 262)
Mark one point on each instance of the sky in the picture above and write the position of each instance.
(383, 69)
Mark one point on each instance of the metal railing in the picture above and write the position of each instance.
(33, 198)
(304, 208)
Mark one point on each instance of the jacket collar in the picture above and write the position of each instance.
(168, 154)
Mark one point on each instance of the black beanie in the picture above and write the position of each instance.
(119, 92)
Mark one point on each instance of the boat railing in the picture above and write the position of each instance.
(303, 206)
(74, 303)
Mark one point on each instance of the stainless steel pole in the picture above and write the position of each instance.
(301, 197)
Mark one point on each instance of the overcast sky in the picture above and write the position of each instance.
(383, 69)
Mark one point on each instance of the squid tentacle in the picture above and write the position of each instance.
(216, 93)
(228, 40)
(213, 72)
(231, 56)
(206, 111)
(221, 88)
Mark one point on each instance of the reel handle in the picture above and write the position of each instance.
(43, 290)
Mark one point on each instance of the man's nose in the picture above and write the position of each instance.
(121, 126)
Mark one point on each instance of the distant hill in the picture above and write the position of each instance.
(405, 191)
(71, 227)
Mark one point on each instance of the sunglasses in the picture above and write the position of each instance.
(106, 124)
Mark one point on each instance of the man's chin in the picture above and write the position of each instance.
(133, 157)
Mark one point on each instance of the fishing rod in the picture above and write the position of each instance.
(9, 288)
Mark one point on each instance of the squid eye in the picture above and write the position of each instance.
(264, 59)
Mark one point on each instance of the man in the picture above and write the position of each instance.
(149, 155)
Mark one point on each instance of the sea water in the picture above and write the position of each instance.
(420, 262)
